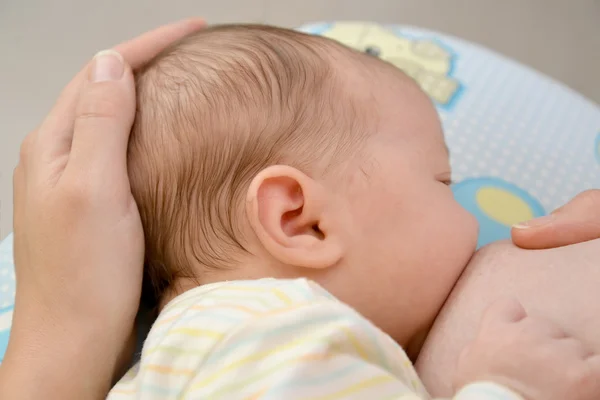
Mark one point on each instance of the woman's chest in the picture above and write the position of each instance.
(562, 285)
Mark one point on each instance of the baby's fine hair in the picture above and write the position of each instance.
(214, 110)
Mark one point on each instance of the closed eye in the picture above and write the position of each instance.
(445, 178)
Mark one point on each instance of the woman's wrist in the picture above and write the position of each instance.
(58, 363)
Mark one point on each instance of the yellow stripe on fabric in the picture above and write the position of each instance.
(357, 387)
(257, 395)
(227, 307)
(268, 290)
(174, 350)
(204, 308)
(239, 384)
(196, 333)
(360, 350)
(162, 321)
(216, 334)
(293, 307)
(253, 358)
(165, 370)
(282, 296)
(261, 355)
(241, 308)
(186, 332)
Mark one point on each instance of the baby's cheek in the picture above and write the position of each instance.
(465, 235)
(459, 229)
(471, 230)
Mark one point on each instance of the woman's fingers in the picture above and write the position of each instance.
(103, 118)
(577, 221)
(52, 141)
(142, 49)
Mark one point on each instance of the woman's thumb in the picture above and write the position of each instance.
(577, 221)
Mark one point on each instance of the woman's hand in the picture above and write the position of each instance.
(577, 221)
(79, 244)
(530, 355)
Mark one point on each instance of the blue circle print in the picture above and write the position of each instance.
(497, 205)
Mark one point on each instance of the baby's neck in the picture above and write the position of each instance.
(205, 276)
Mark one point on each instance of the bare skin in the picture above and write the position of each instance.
(561, 284)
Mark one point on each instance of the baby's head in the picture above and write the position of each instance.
(264, 152)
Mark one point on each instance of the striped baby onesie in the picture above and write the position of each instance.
(277, 340)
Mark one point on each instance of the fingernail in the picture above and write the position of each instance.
(535, 223)
(108, 66)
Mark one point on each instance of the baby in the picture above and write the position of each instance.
(300, 229)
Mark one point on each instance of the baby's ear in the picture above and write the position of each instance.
(291, 216)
